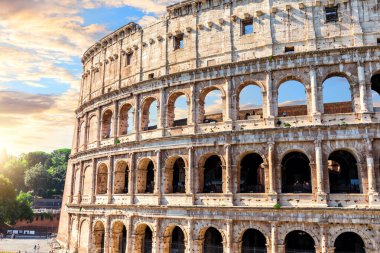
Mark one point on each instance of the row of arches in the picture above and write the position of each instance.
(295, 170)
(212, 240)
(293, 99)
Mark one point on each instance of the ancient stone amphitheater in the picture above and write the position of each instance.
(296, 178)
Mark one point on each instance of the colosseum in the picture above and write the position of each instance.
(278, 177)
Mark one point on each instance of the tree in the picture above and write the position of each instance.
(36, 179)
(12, 208)
(14, 169)
(57, 170)
(33, 158)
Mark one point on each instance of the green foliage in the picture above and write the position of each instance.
(36, 179)
(14, 169)
(13, 208)
(287, 125)
(277, 206)
(33, 158)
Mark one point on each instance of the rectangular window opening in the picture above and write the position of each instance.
(129, 59)
(151, 76)
(331, 14)
(247, 27)
(289, 49)
(178, 42)
(378, 41)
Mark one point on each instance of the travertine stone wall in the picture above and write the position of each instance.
(102, 205)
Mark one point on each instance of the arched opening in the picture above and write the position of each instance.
(148, 235)
(253, 241)
(126, 119)
(213, 241)
(101, 179)
(292, 99)
(83, 236)
(77, 182)
(119, 238)
(252, 179)
(337, 96)
(343, 172)
(93, 129)
(375, 92)
(121, 178)
(213, 175)
(299, 241)
(99, 237)
(177, 110)
(82, 134)
(211, 107)
(250, 104)
(296, 173)
(107, 124)
(145, 176)
(177, 244)
(87, 180)
(179, 176)
(149, 114)
(349, 242)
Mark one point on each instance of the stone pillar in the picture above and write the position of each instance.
(314, 96)
(190, 239)
(110, 177)
(89, 246)
(93, 185)
(362, 89)
(157, 185)
(81, 177)
(324, 243)
(77, 139)
(321, 195)
(132, 178)
(228, 179)
(272, 172)
(230, 237)
(72, 188)
(270, 112)
(373, 195)
(86, 134)
(161, 107)
(99, 128)
(157, 237)
(115, 120)
(107, 243)
(136, 114)
(129, 228)
(228, 100)
(192, 105)
(190, 171)
(273, 237)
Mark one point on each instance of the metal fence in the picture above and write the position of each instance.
(212, 249)
(253, 250)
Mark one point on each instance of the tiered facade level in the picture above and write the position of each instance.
(272, 179)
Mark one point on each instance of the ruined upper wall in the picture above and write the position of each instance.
(212, 35)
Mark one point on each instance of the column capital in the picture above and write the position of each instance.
(318, 142)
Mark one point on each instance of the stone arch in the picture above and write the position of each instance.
(176, 170)
(146, 111)
(201, 172)
(202, 96)
(333, 107)
(368, 242)
(145, 180)
(299, 240)
(92, 129)
(246, 172)
(98, 237)
(296, 179)
(346, 158)
(168, 239)
(87, 181)
(292, 108)
(170, 109)
(143, 235)
(125, 119)
(252, 225)
(121, 177)
(82, 134)
(118, 237)
(253, 240)
(295, 227)
(107, 124)
(218, 247)
(101, 179)
(257, 112)
(77, 181)
(83, 236)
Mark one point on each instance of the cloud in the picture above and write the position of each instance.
(12, 102)
(293, 102)
(147, 20)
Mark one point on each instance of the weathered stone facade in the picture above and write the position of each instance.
(131, 187)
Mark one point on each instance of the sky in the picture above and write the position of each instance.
(41, 45)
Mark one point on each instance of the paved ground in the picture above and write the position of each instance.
(24, 245)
